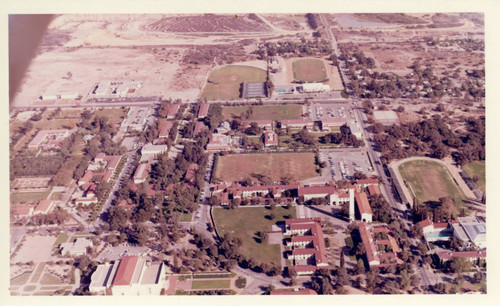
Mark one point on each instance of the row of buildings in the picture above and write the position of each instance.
(103, 168)
(329, 192)
(27, 210)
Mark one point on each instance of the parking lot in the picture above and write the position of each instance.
(124, 249)
(343, 164)
(327, 111)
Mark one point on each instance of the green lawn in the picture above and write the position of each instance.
(21, 279)
(24, 197)
(309, 70)
(430, 181)
(186, 217)
(236, 167)
(38, 272)
(264, 112)
(48, 279)
(211, 284)
(63, 237)
(225, 83)
(245, 222)
(115, 115)
(477, 168)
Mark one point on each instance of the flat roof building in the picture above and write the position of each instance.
(48, 139)
(151, 149)
(44, 207)
(76, 248)
(132, 275)
(315, 87)
(297, 123)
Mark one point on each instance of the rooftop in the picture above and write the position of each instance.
(125, 271)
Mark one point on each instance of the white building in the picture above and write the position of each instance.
(315, 87)
(132, 275)
(76, 248)
(151, 149)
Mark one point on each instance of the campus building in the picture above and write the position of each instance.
(219, 142)
(44, 207)
(132, 275)
(315, 87)
(172, 111)
(165, 127)
(49, 139)
(380, 246)
(297, 123)
(308, 243)
(265, 124)
(364, 209)
(203, 111)
(270, 138)
(471, 230)
(328, 124)
(199, 127)
(76, 248)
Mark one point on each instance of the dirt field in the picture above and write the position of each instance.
(430, 181)
(210, 23)
(35, 248)
(264, 112)
(309, 70)
(225, 83)
(285, 21)
(299, 166)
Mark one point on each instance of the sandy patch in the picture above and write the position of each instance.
(36, 248)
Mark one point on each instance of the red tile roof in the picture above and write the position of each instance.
(424, 223)
(199, 127)
(317, 190)
(172, 110)
(373, 189)
(125, 271)
(44, 206)
(203, 111)
(367, 181)
(165, 127)
(363, 204)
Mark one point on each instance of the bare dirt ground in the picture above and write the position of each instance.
(165, 52)
(287, 22)
(35, 248)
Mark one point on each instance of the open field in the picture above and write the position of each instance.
(479, 169)
(225, 83)
(114, 115)
(245, 222)
(264, 112)
(309, 70)
(25, 197)
(21, 279)
(48, 279)
(211, 284)
(299, 166)
(430, 181)
(36, 248)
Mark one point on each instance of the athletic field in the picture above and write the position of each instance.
(225, 83)
(309, 70)
(237, 167)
